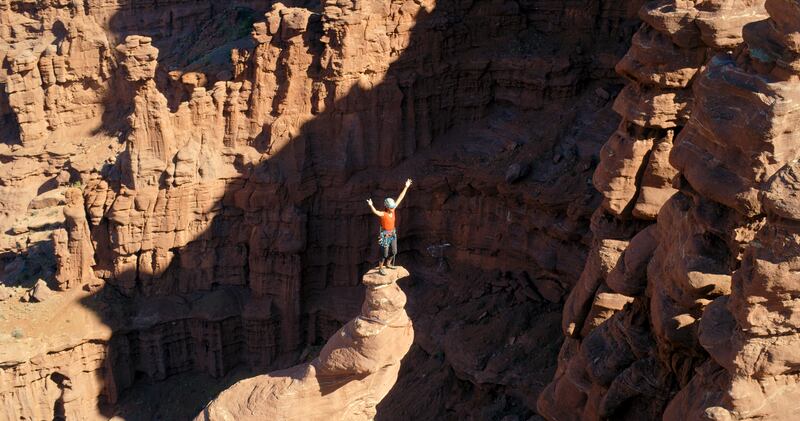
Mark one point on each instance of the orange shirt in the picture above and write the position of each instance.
(387, 220)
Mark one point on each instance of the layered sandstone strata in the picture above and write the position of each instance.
(59, 71)
(61, 64)
(354, 371)
(217, 191)
(62, 108)
(235, 210)
(73, 245)
(232, 223)
(631, 321)
(751, 335)
(68, 384)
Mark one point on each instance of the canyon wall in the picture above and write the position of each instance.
(689, 317)
(199, 175)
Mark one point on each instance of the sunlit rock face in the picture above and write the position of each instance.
(354, 371)
(711, 83)
(187, 180)
(190, 179)
(750, 335)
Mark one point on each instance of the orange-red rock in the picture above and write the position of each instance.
(354, 371)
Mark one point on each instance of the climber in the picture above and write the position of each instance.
(387, 237)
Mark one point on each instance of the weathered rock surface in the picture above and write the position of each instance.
(223, 157)
(354, 371)
(40, 292)
(207, 183)
(71, 377)
(684, 157)
(750, 335)
(73, 245)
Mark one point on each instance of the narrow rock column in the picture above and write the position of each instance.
(353, 373)
(73, 246)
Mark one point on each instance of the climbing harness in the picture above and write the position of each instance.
(385, 238)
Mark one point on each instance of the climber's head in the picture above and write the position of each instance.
(389, 203)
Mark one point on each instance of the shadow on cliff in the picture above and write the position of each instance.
(297, 175)
(326, 176)
(22, 270)
(9, 128)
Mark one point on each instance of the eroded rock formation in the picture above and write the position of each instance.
(750, 335)
(354, 371)
(226, 220)
(190, 179)
(73, 245)
(200, 193)
(701, 321)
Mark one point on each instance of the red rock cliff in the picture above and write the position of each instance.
(223, 187)
(681, 320)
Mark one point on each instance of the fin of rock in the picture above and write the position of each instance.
(353, 373)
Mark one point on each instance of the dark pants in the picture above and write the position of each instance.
(393, 246)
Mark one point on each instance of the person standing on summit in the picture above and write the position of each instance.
(387, 238)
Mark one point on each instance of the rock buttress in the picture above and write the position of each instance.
(741, 153)
(631, 320)
(354, 371)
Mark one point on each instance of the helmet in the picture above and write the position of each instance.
(389, 202)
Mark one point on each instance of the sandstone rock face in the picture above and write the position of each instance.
(59, 70)
(355, 370)
(200, 170)
(750, 335)
(717, 286)
(71, 377)
(74, 249)
(676, 158)
(208, 174)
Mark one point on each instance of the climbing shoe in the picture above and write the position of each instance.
(381, 271)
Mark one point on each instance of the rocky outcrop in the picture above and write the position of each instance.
(633, 318)
(222, 158)
(63, 103)
(634, 174)
(232, 224)
(751, 334)
(73, 246)
(354, 371)
(206, 179)
(60, 66)
(72, 377)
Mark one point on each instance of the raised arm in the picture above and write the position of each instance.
(403, 193)
(375, 211)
